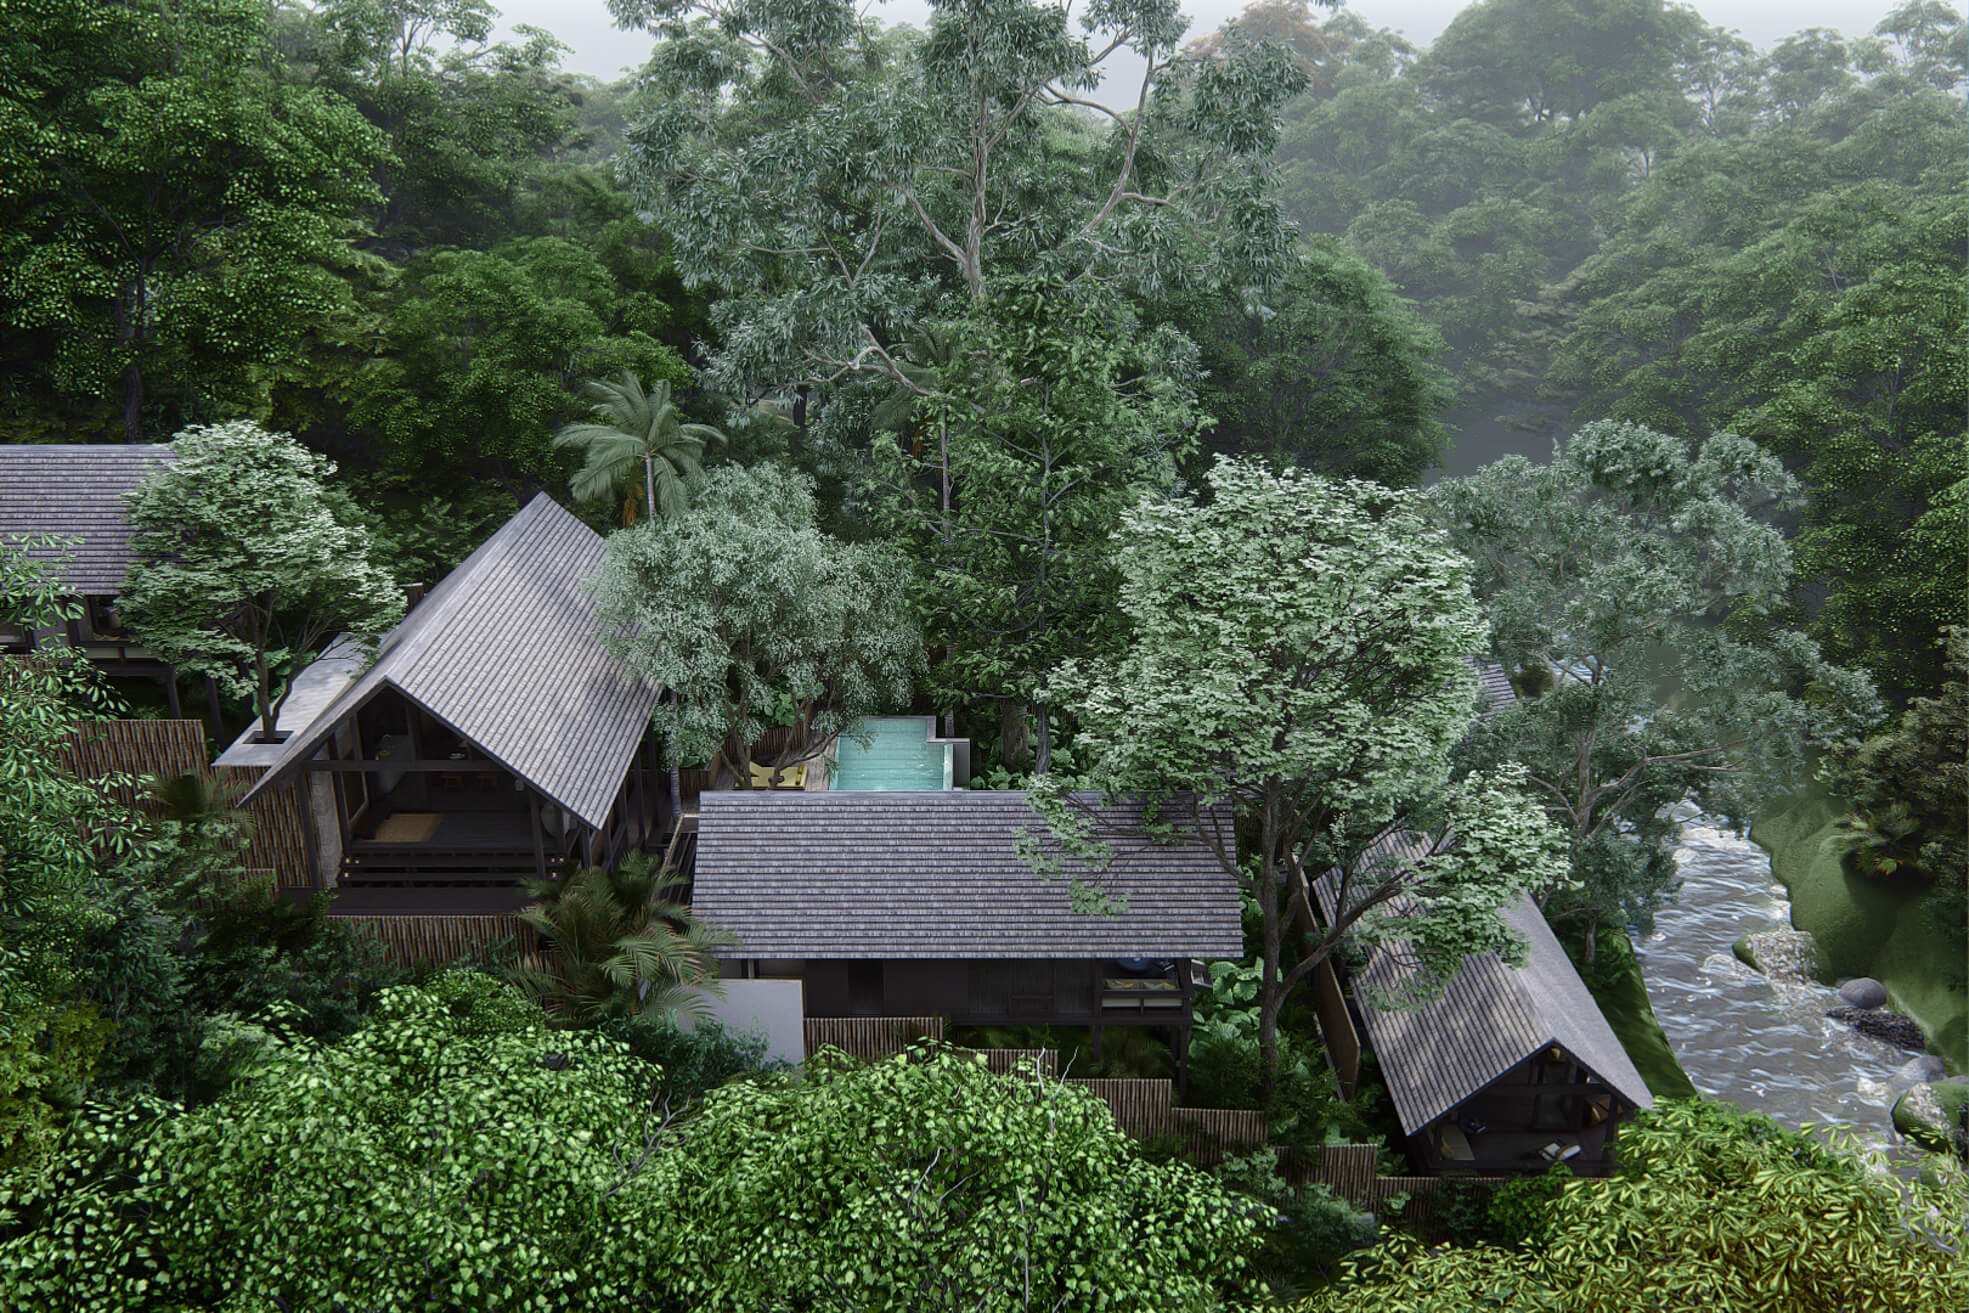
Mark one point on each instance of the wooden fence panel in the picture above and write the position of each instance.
(872, 1038)
(1146, 1109)
(1024, 1062)
(160, 748)
(280, 826)
(411, 941)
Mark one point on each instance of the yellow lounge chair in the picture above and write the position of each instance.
(790, 777)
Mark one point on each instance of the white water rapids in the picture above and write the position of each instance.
(1763, 1046)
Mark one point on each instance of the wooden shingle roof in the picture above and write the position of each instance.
(504, 652)
(1490, 1018)
(1495, 683)
(77, 490)
(940, 875)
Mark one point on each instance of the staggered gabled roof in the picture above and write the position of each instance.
(77, 490)
(941, 875)
(504, 652)
(1489, 1019)
(1492, 1016)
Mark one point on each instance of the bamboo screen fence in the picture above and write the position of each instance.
(160, 749)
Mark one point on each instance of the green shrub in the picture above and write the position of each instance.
(926, 1182)
(454, 1153)
(694, 1061)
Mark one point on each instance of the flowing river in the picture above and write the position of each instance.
(1763, 1046)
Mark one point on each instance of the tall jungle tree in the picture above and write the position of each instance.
(246, 565)
(174, 212)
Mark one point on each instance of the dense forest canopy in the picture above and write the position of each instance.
(372, 225)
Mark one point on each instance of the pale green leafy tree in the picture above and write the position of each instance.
(1300, 649)
(454, 1153)
(1631, 584)
(634, 425)
(928, 1184)
(1711, 1208)
(745, 612)
(245, 565)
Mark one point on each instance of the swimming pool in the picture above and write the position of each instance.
(899, 756)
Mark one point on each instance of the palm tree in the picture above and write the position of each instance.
(616, 946)
(636, 425)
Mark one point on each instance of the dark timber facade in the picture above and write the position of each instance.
(492, 739)
(926, 903)
(1510, 1069)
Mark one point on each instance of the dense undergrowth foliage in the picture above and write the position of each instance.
(457, 1151)
(1711, 1208)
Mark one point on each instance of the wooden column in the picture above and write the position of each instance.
(539, 838)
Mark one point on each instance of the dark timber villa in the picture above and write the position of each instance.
(1511, 1069)
(79, 491)
(921, 903)
(493, 736)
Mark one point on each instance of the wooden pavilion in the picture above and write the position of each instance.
(492, 739)
(926, 903)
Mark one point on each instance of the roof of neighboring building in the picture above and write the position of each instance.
(940, 875)
(1496, 684)
(1490, 1018)
(77, 490)
(504, 652)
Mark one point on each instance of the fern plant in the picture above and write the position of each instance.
(618, 945)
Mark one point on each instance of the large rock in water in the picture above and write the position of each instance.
(1932, 1116)
(1864, 992)
(1923, 1070)
(1786, 956)
(1888, 1027)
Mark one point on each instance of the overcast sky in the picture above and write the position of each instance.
(603, 51)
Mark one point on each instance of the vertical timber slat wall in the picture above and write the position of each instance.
(872, 1038)
(409, 941)
(164, 748)
(1146, 1108)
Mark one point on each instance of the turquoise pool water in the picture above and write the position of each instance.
(899, 756)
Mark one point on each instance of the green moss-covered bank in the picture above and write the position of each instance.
(1864, 928)
(1615, 982)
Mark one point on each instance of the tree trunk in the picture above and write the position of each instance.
(677, 796)
(1271, 992)
(649, 486)
(1011, 734)
(1043, 752)
(266, 695)
(133, 403)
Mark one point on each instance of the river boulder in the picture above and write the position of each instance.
(1932, 1116)
(1924, 1070)
(1788, 957)
(1863, 992)
(1887, 1027)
